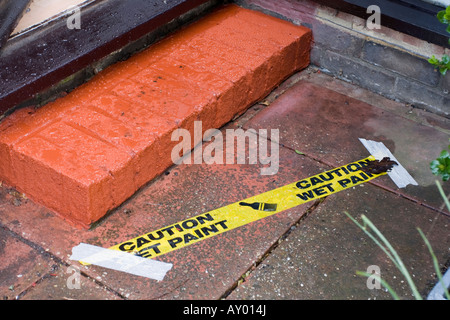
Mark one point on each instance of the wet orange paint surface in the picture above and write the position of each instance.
(87, 152)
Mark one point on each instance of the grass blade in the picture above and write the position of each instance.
(380, 280)
(388, 249)
(399, 262)
(435, 263)
(441, 191)
(378, 243)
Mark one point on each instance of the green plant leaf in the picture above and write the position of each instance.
(441, 166)
(433, 60)
(443, 18)
(443, 65)
(444, 154)
(434, 166)
(440, 15)
(445, 59)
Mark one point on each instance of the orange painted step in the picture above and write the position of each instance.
(86, 153)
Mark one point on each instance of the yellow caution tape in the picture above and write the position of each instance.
(215, 222)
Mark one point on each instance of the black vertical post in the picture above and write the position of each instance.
(10, 13)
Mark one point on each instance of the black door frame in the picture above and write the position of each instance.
(39, 59)
(414, 17)
(10, 13)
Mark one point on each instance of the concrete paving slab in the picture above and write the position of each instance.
(319, 238)
(205, 270)
(20, 266)
(65, 283)
(208, 269)
(326, 125)
(320, 257)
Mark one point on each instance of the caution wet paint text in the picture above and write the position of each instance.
(240, 213)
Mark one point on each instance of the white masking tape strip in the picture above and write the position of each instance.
(398, 174)
(120, 261)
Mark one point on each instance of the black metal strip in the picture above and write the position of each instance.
(10, 13)
(413, 17)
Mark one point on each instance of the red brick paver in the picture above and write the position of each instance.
(86, 153)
